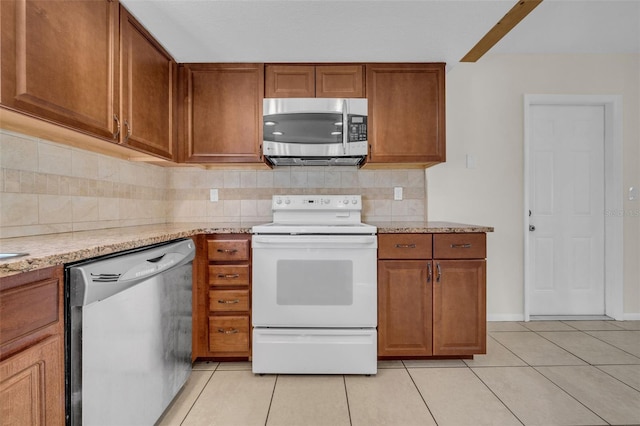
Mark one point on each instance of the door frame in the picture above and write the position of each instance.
(613, 194)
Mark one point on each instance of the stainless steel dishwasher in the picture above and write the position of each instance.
(128, 334)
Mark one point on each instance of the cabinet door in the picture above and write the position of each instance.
(406, 113)
(290, 81)
(149, 83)
(222, 113)
(32, 385)
(459, 307)
(339, 81)
(50, 71)
(404, 308)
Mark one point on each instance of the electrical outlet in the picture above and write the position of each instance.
(397, 193)
(213, 194)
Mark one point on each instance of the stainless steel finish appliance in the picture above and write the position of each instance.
(314, 291)
(315, 131)
(129, 334)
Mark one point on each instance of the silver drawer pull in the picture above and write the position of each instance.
(230, 331)
(229, 276)
(439, 272)
(405, 246)
(465, 245)
(227, 251)
(228, 302)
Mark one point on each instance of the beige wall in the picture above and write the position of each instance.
(485, 119)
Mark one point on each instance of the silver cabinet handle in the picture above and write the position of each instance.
(126, 124)
(429, 272)
(228, 302)
(117, 132)
(230, 331)
(439, 272)
(405, 246)
(229, 276)
(227, 251)
(465, 245)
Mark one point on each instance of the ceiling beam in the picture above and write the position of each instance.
(499, 30)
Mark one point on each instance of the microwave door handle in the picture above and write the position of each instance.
(345, 126)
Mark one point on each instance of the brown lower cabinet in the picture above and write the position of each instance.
(222, 297)
(431, 295)
(32, 348)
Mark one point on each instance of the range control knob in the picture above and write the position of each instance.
(278, 201)
(354, 201)
(287, 201)
(346, 201)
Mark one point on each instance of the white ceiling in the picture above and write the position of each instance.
(379, 30)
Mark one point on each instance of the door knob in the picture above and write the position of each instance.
(532, 228)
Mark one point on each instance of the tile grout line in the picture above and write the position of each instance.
(420, 393)
(567, 392)
(273, 392)
(510, 351)
(611, 344)
(614, 377)
(199, 394)
(346, 394)
(494, 394)
(566, 350)
(584, 332)
(568, 322)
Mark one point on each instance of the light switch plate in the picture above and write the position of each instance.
(213, 194)
(397, 193)
(633, 193)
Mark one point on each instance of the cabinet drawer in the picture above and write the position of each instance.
(223, 275)
(459, 246)
(229, 333)
(228, 300)
(228, 250)
(404, 246)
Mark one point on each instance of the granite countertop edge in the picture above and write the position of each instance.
(62, 248)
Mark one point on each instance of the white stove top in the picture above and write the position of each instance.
(316, 214)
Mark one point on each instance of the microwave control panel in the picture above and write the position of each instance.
(357, 128)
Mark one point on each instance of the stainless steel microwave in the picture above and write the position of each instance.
(314, 131)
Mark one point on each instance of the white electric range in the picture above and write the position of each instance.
(314, 293)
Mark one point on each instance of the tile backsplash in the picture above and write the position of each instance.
(48, 188)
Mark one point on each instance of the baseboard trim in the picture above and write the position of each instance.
(505, 317)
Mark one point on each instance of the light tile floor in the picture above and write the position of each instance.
(536, 373)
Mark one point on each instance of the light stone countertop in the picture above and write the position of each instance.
(56, 249)
(431, 227)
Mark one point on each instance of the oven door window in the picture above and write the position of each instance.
(314, 282)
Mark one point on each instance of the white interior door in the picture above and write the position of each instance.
(566, 200)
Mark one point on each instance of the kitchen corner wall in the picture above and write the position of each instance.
(49, 188)
(245, 195)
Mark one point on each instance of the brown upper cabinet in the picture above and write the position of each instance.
(221, 113)
(149, 85)
(114, 82)
(49, 71)
(314, 81)
(406, 113)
